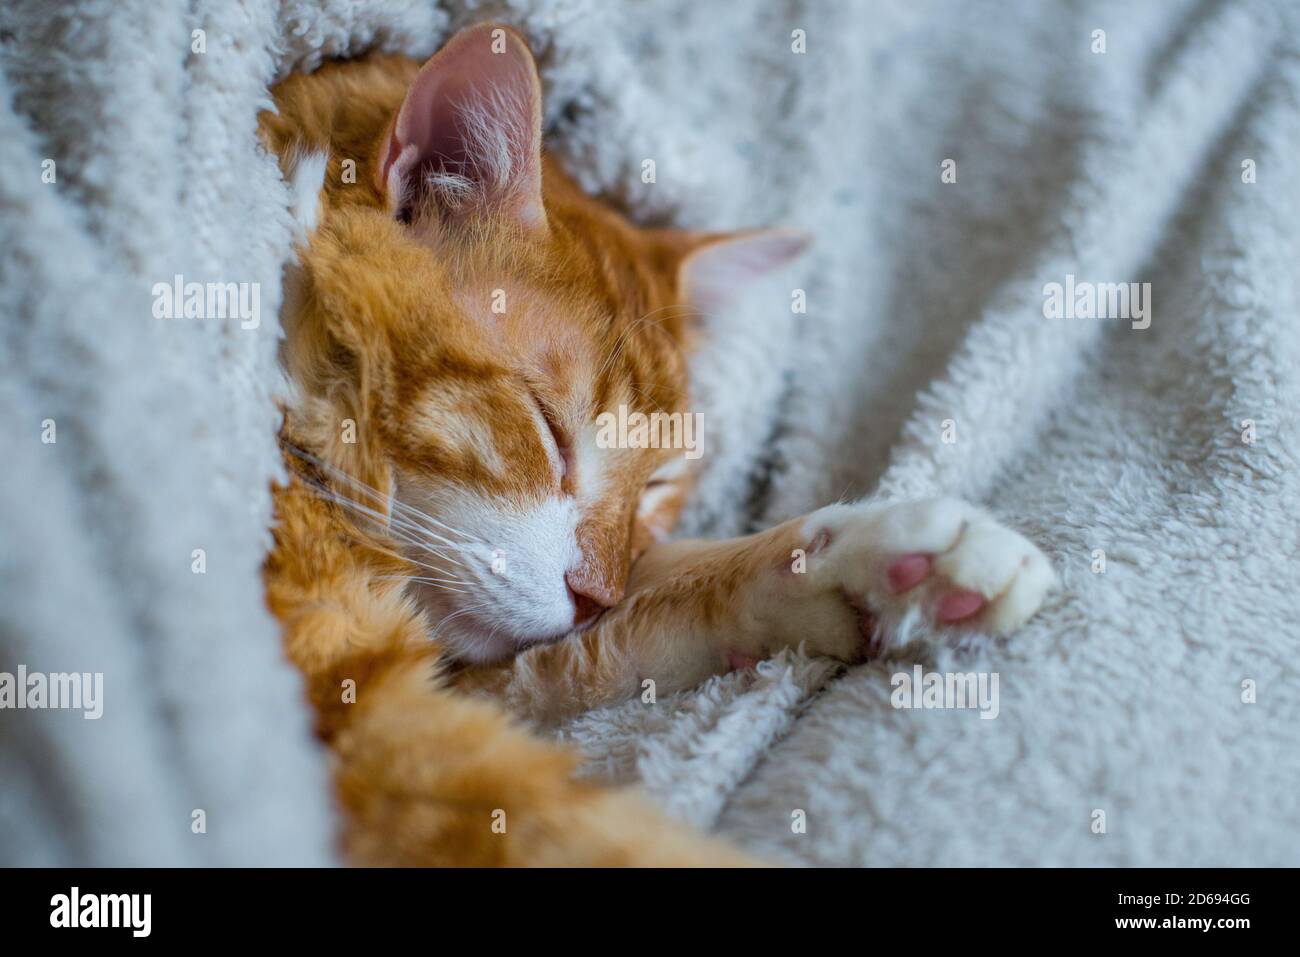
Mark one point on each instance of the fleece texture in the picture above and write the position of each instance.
(1157, 467)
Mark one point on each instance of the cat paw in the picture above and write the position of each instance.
(944, 560)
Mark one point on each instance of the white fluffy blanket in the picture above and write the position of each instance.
(1159, 691)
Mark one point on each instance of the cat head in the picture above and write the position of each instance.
(465, 326)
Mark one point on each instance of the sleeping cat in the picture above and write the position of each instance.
(456, 554)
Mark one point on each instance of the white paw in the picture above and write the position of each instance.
(943, 560)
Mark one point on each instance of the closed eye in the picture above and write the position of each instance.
(563, 447)
(667, 473)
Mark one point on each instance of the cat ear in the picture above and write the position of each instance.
(469, 133)
(718, 267)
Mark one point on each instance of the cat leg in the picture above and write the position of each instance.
(938, 562)
(842, 581)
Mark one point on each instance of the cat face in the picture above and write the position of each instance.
(464, 327)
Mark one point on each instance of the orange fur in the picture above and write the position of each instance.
(390, 332)
(421, 769)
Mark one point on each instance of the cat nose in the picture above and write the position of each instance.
(590, 595)
(584, 608)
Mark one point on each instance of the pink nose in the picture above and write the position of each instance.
(584, 608)
(590, 598)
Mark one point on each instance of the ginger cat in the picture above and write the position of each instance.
(456, 555)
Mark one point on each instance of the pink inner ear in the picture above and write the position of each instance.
(470, 127)
(713, 275)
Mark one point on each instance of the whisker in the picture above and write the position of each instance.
(378, 518)
(397, 503)
(413, 516)
(407, 558)
(372, 544)
(386, 522)
(421, 530)
(445, 582)
(456, 614)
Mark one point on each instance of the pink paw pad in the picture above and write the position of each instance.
(907, 572)
(958, 605)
